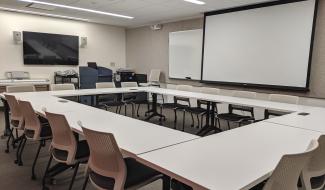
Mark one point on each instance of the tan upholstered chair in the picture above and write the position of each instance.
(313, 174)
(20, 88)
(16, 121)
(65, 147)
(36, 128)
(283, 99)
(246, 112)
(286, 174)
(153, 79)
(107, 169)
(58, 87)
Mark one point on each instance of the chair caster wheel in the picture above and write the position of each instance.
(45, 188)
(7, 151)
(33, 177)
(20, 164)
(16, 161)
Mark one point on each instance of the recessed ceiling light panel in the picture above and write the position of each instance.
(195, 2)
(43, 14)
(78, 8)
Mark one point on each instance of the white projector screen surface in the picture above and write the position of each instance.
(185, 54)
(261, 46)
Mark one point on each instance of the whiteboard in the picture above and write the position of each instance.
(185, 54)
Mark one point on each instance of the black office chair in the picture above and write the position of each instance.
(201, 109)
(178, 104)
(233, 117)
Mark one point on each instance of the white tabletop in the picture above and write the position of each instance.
(232, 160)
(235, 159)
(315, 120)
(132, 135)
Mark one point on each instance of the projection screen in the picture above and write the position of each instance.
(267, 45)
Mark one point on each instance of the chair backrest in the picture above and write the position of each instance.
(154, 76)
(242, 94)
(286, 174)
(62, 136)
(315, 167)
(183, 100)
(59, 87)
(105, 157)
(20, 88)
(31, 120)
(105, 85)
(129, 84)
(15, 113)
(284, 98)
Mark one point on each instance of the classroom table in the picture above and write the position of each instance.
(236, 159)
(133, 136)
(312, 119)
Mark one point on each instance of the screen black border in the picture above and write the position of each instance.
(256, 6)
(52, 34)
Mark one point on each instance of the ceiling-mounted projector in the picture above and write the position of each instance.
(156, 27)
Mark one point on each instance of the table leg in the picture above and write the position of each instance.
(6, 115)
(210, 121)
(154, 109)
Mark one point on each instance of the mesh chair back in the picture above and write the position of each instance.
(59, 87)
(154, 76)
(284, 98)
(286, 174)
(105, 85)
(15, 113)
(315, 166)
(20, 88)
(105, 156)
(63, 138)
(31, 120)
(129, 84)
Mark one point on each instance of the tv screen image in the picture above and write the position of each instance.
(50, 49)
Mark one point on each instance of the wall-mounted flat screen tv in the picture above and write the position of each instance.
(50, 49)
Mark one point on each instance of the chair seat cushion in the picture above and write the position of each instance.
(82, 152)
(136, 174)
(174, 106)
(45, 132)
(14, 123)
(233, 117)
(196, 110)
(276, 113)
(317, 182)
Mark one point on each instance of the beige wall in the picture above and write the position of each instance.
(106, 44)
(147, 49)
